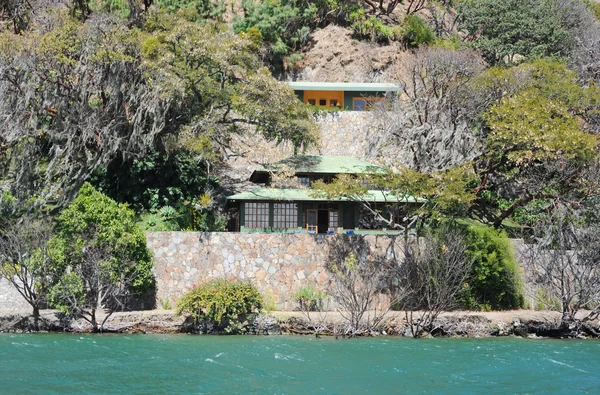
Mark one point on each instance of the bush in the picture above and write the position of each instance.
(372, 28)
(416, 32)
(495, 282)
(309, 298)
(220, 303)
(195, 10)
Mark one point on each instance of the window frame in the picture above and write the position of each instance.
(254, 215)
(286, 219)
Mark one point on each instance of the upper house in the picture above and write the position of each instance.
(349, 96)
(300, 210)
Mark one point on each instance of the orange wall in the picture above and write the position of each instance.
(327, 95)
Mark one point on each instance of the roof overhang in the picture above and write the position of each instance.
(344, 86)
(309, 195)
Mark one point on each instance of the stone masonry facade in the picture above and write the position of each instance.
(346, 132)
(279, 264)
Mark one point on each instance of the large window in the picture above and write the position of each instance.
(256, 215)
(285, 216)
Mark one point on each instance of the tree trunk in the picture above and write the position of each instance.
(36, 318)
(93, 320)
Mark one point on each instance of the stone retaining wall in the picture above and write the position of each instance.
(279, 264)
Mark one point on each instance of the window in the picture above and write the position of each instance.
(359, 105)
(305, 181)
(368, 103)
(323, 102)
(333, 103)
(311, 221)
(312, 102)
(285, 216)
(334, 219)
(256, 215)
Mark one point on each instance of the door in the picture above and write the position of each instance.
(334, 220)
(323, 221)
(311, 221)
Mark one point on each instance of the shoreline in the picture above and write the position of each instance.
(469, 324)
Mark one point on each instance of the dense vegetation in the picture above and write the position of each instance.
(500, 114)
(220, 304)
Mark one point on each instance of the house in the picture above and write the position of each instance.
(301, 209)
(350, 96)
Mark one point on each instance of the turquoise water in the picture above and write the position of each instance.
(167, 364)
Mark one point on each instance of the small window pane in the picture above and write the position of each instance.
(333, 103)
(312, 102)
(323, 102)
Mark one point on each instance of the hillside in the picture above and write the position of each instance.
(335, 56)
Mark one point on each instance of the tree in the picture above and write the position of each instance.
(29, 261)
(81, 95)
(361, 285)
(504, 30)
(431, 275)
(427, 127)
(106, 258)
(535, 145)
(565, 264)
(584, 27)
(412, 196)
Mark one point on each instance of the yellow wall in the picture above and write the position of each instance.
(326, 95)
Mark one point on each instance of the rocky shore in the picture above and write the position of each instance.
(523, 323)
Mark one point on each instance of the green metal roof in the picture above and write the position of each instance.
(300, 195)
(326, 165)
(344, 86)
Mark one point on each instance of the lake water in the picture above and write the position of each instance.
(168, 364)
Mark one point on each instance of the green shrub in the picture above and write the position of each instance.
(372, 28)
(309, 298)
(195, 10)
(596, 9)
(544, 301)
(269, 301)
(495, 282)
(416, 32)
(221, 303)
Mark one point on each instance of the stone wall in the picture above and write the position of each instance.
(345, 133)
(279, 264)
(10, 299)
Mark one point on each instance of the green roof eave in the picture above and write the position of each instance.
(309, 195)
(344, 86)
